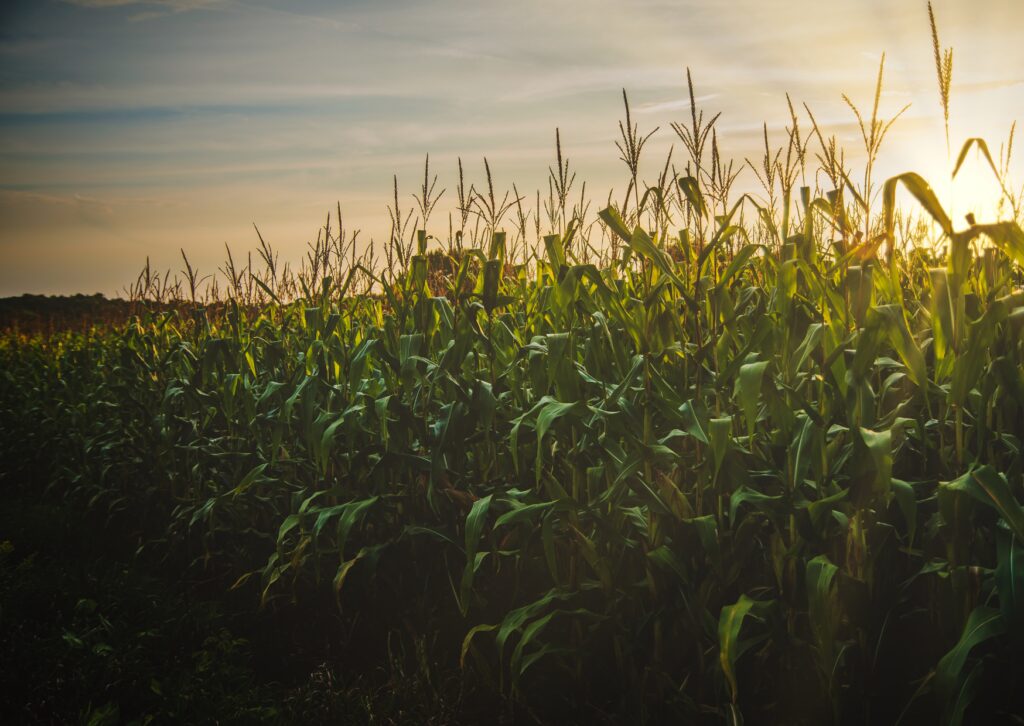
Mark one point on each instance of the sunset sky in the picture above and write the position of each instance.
(131, 128)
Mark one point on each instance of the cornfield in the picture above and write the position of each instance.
(699, 456)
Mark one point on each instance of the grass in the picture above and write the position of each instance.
(692, 457)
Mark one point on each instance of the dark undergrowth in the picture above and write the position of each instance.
(94, 630)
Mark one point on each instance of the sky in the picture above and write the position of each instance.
(134, 128)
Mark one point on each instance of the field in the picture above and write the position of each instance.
(698, 457)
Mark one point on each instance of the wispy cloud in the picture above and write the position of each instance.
(995, 85)
(572, 81)
(174, 5)
(682, 104)
(143, 10)
(146, 99)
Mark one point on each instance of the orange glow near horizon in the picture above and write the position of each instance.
(132, 129)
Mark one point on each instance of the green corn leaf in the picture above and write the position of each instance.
(594, 559)
(823, 609)
(556, 253)
(765, 503)
(342, 574)
(875, 468)
(348, 514)
(983, 148)
(475, 521)
(515, 618)
(467, 641)
(1007, 236)
(490, 279)
(414, 530)
(888, 322)
(730, 647)
(982, 335)
(922, 192)
(1009, 578)
(803, 448)
(691, 423)
(613, 219)
(907, 501)
(720, 435)
(290, 522)
(523, 513)
(818, 510)
(497, 249)
(738, 262)
(667, 560)
(706, 528)
(549, 413)
(255, 476)
(530, 632)
(748, 389)
(983, 624)
(691, 188)
(986, 485)
(964, 695)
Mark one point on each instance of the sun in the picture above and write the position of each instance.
(975, 190)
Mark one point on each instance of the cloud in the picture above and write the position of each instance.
(265, 110)
(682, 104)
(151, 100)
(174, 5)
(149, 9)
(102, 3)
(588, 79)
(997, 85)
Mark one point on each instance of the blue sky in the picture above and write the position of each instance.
(131, 128)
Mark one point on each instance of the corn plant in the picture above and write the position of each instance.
(741, 467)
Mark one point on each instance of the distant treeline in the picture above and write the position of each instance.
(45, 313)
